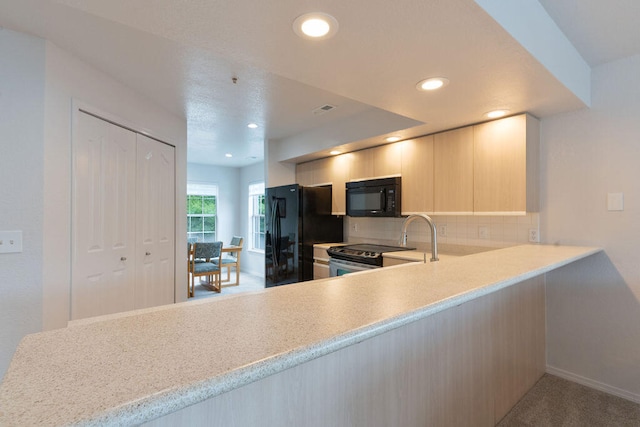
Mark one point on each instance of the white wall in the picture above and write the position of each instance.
(22, 68)
(39, 83)
(233, 205)
(228, 182)
(594, 322)
(277, 172)
(252, 261)
(67, 80)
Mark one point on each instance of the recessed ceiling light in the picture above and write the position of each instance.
(334, 152)
(228, 155)
(393, 139)
(496, 113)
(432, 83)
(316, 25)
(252, 125)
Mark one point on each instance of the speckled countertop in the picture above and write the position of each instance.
(130, 368)
(417, 256)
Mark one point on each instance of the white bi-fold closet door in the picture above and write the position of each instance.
(123, 220)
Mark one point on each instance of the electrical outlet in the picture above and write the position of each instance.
(442, 230)
(534, 235)
(483, 232)
(10, 242)
(354, 227)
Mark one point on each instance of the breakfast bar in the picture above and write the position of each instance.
(405, 345)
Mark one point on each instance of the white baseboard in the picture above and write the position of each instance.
(593, 384)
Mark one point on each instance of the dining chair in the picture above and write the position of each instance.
(232, 259)
(205, 260)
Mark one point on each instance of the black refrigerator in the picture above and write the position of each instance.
(296, 218)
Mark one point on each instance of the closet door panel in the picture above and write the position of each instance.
(103, 218)
(155, 221)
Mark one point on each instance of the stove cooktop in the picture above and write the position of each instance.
(364, 253)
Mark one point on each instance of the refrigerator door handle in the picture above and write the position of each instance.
(275, 232)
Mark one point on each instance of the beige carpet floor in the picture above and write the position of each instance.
(555, 402)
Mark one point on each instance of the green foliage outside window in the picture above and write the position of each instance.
(201, 217)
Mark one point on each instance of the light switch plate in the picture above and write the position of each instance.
(10, 241)
(615, 201)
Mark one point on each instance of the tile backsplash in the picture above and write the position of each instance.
(488, 231)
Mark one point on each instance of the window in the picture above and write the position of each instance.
(256, 216)
(202, 207)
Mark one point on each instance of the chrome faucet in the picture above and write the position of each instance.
(434, 243)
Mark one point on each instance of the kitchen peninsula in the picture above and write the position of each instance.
(406, 345)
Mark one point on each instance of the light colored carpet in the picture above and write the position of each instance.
(556, 402)
(248, 282)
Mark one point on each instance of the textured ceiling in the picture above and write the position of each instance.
(183, 54)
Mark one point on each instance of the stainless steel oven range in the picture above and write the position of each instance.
(359, 257)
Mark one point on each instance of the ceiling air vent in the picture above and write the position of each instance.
(324, 109)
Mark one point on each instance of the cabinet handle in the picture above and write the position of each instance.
(123, 258)
(147, 253)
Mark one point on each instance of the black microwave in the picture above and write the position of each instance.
(374, 197)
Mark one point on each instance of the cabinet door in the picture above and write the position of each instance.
(322, 172)
(505, 165)
(103, 218)
(155, 225)
(340, 166)
(417, 175)
(453, 172)
(387, 159)
(304, 173)
(361, 165)
(320, 271)
(330, 170)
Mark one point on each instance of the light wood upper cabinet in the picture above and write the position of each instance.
(361, 165)
(376, 162)
(387, 160)
(330, 170)
(417, 174)
(334, 170)
(506, 162)
(490, 169)
(453, 172)
(304, 173)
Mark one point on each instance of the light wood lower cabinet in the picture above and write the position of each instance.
(320, 263)
(464, 366)
(320, 270)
